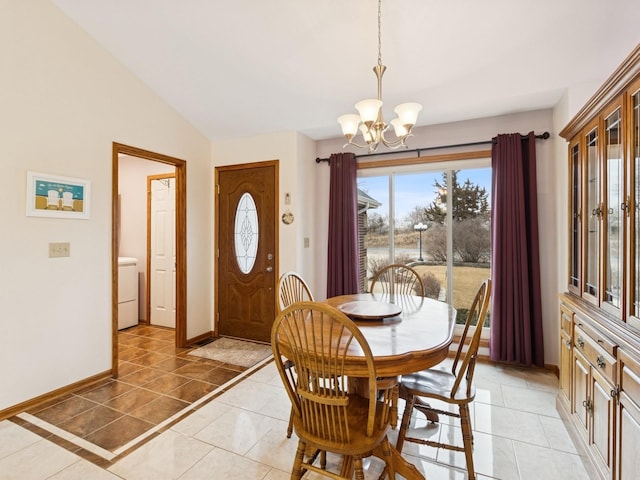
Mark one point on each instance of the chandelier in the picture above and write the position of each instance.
(370, 121)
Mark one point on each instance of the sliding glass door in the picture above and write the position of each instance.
(437, 220)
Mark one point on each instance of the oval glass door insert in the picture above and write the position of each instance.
(246, 233)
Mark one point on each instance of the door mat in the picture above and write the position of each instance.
(236, 352)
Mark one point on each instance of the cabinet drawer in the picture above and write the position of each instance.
(595, 354)
(566, 320)
(630, 376)
(604, 343)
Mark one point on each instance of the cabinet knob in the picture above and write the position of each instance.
(600, 361)
(580, 342)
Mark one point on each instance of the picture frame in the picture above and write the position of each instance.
(58, 197)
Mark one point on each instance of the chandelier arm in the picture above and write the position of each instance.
(350, 142)
(397, 143)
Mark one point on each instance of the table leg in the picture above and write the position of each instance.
(425, 408)
(401, 465)
(347, 466)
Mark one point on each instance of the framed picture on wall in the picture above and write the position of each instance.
(55, 196)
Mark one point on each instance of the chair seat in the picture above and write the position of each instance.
(359, 443)
(437, 384)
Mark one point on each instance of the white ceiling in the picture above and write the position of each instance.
(247, 67)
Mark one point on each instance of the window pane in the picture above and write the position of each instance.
(419, 235)
(373, 230)
(246, 233)
(471, 235)
(453, 254)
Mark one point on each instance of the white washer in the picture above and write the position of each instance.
(127, 292)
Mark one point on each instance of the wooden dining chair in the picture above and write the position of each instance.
(454, 387)
(329, 417)
(291, 289)
(398, 278)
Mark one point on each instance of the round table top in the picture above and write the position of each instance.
(415, 339)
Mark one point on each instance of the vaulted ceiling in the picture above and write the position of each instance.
(247, 67)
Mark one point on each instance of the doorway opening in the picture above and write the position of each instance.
(177, 168)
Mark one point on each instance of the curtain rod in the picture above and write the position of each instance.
(542, 136)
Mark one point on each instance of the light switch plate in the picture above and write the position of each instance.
(59, 249)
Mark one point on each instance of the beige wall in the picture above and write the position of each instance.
(64, 100)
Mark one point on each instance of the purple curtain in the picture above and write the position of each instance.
(516, 318)
(342, 269)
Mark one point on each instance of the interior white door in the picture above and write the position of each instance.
(163, 253)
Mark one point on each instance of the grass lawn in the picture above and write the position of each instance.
(466, 281)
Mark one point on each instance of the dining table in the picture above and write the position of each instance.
(405, 333)
(414, 337)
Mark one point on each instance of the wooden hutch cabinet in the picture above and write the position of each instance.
(600, 311)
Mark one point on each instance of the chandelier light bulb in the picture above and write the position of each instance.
(408, 113)
(369, 110)
(399, 128)
(349, 124)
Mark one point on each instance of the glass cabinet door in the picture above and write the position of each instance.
(574, 221)
(613, 209)
(593, 214)
(635, 212)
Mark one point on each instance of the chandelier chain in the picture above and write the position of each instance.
(379, 34)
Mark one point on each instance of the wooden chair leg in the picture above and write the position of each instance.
(388, 459)
(358, 469)
(467, 439)
(394, 407)
(297, 470)
(406, 420)
(290, 426)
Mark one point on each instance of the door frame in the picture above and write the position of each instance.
(276, 226)
(181, 242)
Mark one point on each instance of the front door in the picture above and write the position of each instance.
(247, 242)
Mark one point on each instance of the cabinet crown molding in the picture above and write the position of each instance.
(628, 70)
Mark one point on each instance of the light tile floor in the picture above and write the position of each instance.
(241, 435)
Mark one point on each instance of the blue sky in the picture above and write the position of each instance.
(416, 188)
